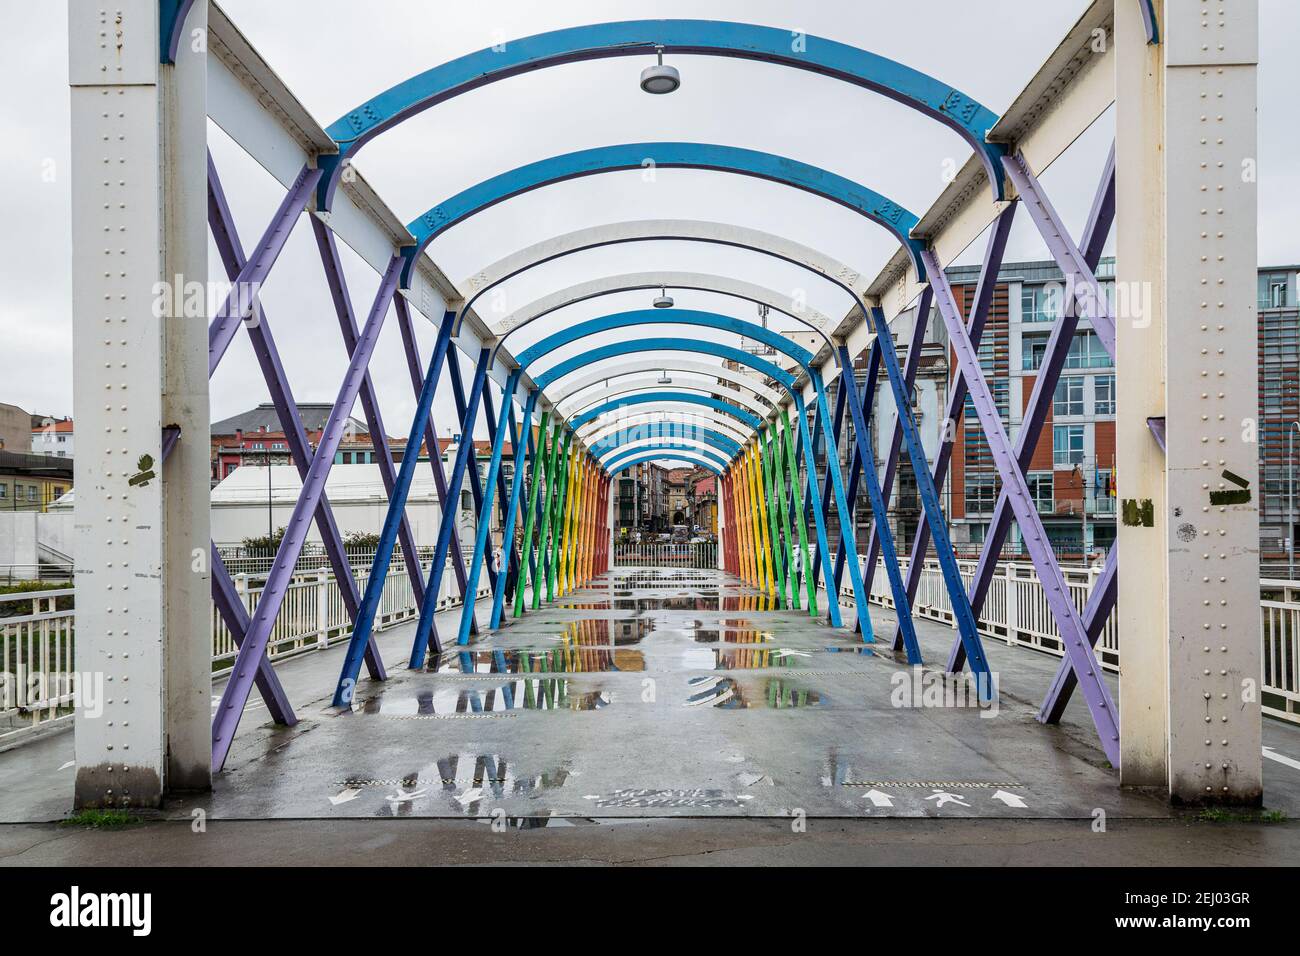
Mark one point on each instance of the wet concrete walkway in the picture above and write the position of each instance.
(654, 693)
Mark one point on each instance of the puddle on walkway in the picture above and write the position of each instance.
(774, 693)
(447, 703)
(570, 658)
(741, 658)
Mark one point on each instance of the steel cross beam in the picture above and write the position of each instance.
(475, 482)
(411, 347)
(369, 403)
(867, 458)
(961, 609)
(508, 528)
(840, 405)
(1069, 622)
(231, 608)
(855, 454)
(392, 521)
(235, 695)
(987, 283)
(243, 295)
(530, 565)
(466, 457)
(1100, 218)
(914, 348)
(226, 238)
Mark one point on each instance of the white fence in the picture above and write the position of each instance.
(1016, 611)
(666, 554)
(37, 669)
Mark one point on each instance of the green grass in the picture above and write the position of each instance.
(102, 820)
(1222, 815)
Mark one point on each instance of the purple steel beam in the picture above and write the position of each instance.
(914, 347)
(1040, 400)
(1068, 620)
(237, 688)
(1157, 425)
(243, 294)
(412, 349)
(226, 238)
(979, 312)
(1095, 614)
(170, 435)
(1079, 277)
(232, 611)
(338, 286)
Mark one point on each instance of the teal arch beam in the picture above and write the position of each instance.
(658, 456)
(902, 84)
(711, 320)
(666, 450)
(670, 155)
(675, 396)
(666, 430)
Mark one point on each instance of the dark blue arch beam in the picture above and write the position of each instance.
(712, 320)
(674, 396)
(840, 61)
(618, 349)
(693, 317)
(724, 443)
(668, 155)
(666, 450)
(659, 456)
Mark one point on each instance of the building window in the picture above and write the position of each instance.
(4, 491)
(1068, 399)
(1032, 351)
(32, 492)
(1086, 352)
(1272, 290)
(1040, 489)
(1040, 303)
(1067, 445)
(1103, 395)
(277, 446)
(981, 494)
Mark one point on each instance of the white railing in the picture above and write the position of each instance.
(36, 660)
(664, 554)
(1016, 611)
(37, 669)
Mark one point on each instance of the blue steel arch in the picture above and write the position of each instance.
(664, 450)
(727, 408)
(617, 349)
(670, 155)
(624, 464)
(889, 78)
(717, 439)
(622, 320)
(708, 320)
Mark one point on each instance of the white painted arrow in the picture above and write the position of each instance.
(343, 796)
(403, 797)
(1272, 754)
(1010, 799)
(70, 763)
(878, 799)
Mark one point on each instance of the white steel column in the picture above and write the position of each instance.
(139, 225)
(1186, 137)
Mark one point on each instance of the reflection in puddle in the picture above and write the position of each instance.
(544, 693)
(776, 693)
(864, 649)
(740, 658)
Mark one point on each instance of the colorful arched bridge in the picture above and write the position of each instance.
(781, 410)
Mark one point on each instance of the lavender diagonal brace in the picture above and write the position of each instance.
(226, 237)
(236, 692)
(957, 401)
(1069, 621)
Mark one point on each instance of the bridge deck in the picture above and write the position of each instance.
(654, 693)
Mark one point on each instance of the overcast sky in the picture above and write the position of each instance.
(337, 53)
